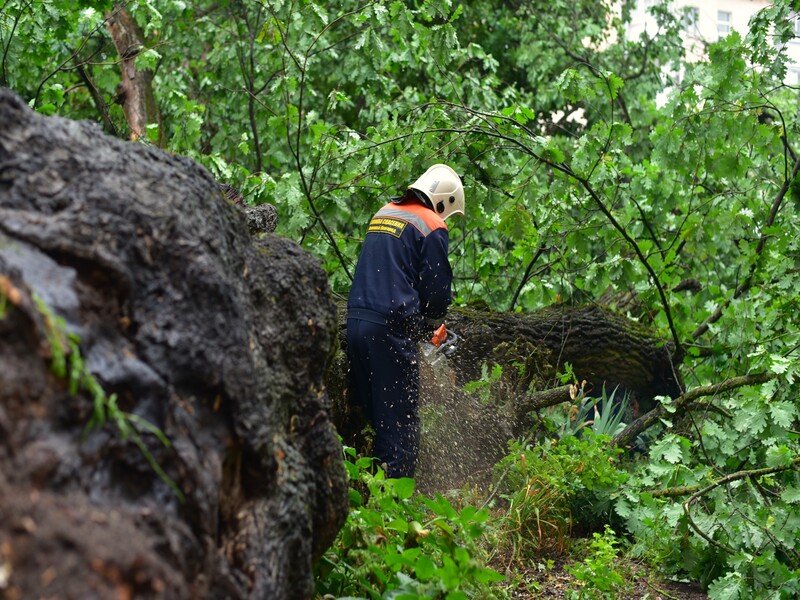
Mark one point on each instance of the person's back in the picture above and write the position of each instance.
(403, 273)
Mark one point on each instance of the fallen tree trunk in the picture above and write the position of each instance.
(464, 435)
(603, 348)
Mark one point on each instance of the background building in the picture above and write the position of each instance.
(706, 21)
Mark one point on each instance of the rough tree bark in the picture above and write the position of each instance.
(135, 92)
(603, 348)
(217, 338)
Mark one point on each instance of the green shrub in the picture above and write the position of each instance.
(403, 546)
(551, 486)
(596, 575)
(538, 519)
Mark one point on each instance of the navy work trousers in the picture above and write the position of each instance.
(384, 380)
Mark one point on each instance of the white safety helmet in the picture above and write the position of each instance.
(443, 187)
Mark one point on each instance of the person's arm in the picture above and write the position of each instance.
(435, 276)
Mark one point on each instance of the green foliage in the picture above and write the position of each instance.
(550, 486)
(593, 163)
(597, 575)
(607, 420)
(603, 415)
(396, 544)
(538, 520)
(700, 506)
(483, 386)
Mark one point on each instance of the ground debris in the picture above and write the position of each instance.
(536, 579)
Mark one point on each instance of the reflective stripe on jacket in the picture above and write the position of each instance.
(403, 272)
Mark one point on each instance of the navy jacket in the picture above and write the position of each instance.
(403, 275)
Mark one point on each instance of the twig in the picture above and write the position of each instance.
(754, 473)
(307, 184)
(660, 591)
(702, 533)
(526, 276)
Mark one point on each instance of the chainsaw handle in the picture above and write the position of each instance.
(439, 336)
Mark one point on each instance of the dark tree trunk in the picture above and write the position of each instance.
(217, 338)
(604, 348)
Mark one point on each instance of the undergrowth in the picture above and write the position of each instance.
(566, 494)
(403, 546)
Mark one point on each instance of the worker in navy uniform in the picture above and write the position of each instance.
(400, 293)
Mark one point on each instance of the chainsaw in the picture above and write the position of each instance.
(443, 343)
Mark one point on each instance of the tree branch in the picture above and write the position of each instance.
(545, 398)
(295, 148)
(72, 56)
(696, 491)
(526, 276)
(678, 351)
(586, 185)
(102, 107)
(3, 71)
(762, 242)
(627, 435)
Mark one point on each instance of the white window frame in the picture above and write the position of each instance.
(724, 19)
(795, 18)
(691, 20)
